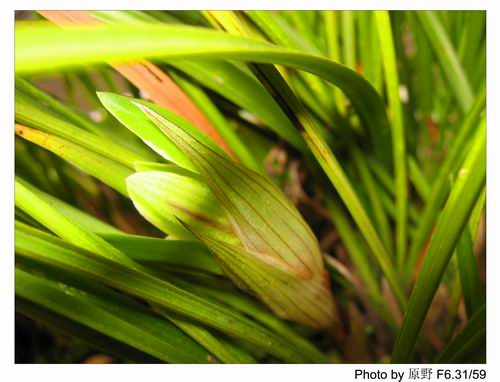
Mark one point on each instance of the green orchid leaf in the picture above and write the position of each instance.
(447, 57)
(84, 219)
(441, 186)
(469, 274)
(61, 109)
(67, 327)
(110, 172)
(384, 29)
(34, 114)
(235, 299)
(468, 346)
(64, 226)
(171, 253)
(223, 350)
(127, 324)
(451, 223)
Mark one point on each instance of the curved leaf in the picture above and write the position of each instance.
(51, 48)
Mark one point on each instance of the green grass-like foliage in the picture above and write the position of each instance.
(253, 186)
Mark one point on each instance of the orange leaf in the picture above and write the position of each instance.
(148, 78)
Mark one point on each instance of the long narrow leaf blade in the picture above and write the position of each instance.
(103, 168)
(64, 226)
(112, 318)
(452, 221)
(469, 346)
(448, 59)
(398, 132)
(469, 274)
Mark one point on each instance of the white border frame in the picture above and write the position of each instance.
(9, 371)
